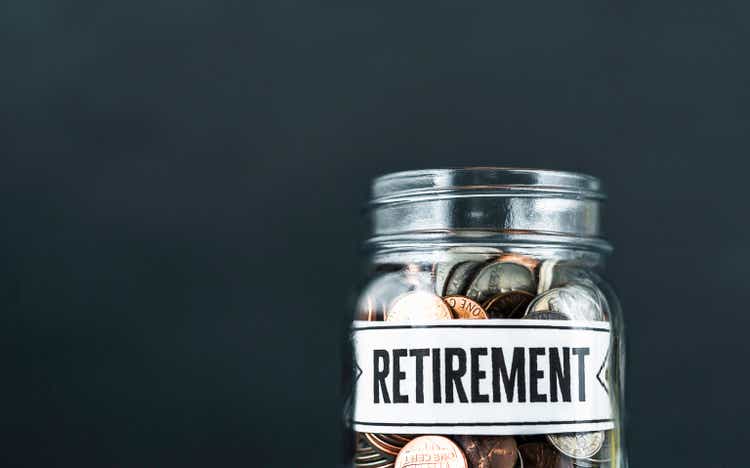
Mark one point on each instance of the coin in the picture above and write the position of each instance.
(508, 305)
(442, 272)
(380, 293)
(419, 306)
(541, 455)
(386, 445)
(545, 315)
(500, 277)
(465, 308)
(382, 446)
(545, 275)
(574, 275)
(375, 464)
(430, 452)
(574, 302)
(578, 444)
(394, 440)
(366, 456)
(489, 451)
(399, 438)
(460, 276)
(605, 453)
(456, 256)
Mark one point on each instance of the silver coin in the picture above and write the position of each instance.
(367, 457)
(605, 453)
(442, 270)
(460, 276)
(578, 445)
(500, 277)
(546, 271)
(456, 256)
(574, 302)
(386, 463)
(545, 315)
(370, 457)
(566, 274)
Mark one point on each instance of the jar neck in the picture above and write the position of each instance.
(418, 250)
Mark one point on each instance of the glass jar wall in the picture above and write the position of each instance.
(484, 334)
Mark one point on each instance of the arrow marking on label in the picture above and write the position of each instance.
(603, 371)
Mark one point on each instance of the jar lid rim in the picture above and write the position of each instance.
(513, 204)
(398, 184)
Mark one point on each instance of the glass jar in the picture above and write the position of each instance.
(484, 335)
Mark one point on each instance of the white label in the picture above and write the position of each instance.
(481, 377)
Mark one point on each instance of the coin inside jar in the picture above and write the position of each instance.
(385, 444)
(578, 444)
(430, 452)
(489, 451)
(419, 306)
(460, 276)
(574, 302)
(457, 255)
(605, 453)
(367, 456)
(546, 271)
(541, 455)
(510, 305)
(465, 308)
(374, 303)
(545, 315)
(499, 277)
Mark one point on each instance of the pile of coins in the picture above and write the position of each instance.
(379, 450)
(483, 285)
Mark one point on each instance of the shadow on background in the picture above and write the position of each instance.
(182, 184)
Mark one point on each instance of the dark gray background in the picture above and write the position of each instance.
(182, 180)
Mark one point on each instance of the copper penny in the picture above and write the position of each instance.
(541, 455)
(465, 308)
(489, 451)
(385, 444)
(431, 452)
(382, 291)
(419, 306)
(510, 305)
(369, 456)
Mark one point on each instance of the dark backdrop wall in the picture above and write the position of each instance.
(182, 180)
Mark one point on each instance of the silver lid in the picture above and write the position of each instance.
(488, 205)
